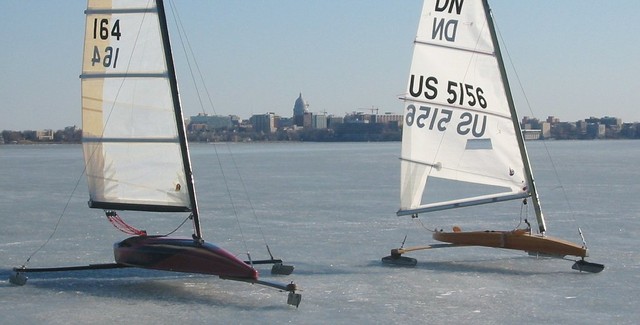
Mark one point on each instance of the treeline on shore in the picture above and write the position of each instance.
(366, 132)
(370, 133)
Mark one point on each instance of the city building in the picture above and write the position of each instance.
(44, 135)
(264, 123)
(334, 121)
(203, 121)
(318, 121)
(390, 118)
(531, 134)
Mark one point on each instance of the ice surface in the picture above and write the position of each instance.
(328, 209)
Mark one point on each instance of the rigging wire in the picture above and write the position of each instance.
(121, 225)
(57, 224)
(189, 56)
(423, 226)
(180, 225)
(524, 211)
(193, 69)
(530, 108)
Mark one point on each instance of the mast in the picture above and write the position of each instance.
(516, 124)
(186, 160)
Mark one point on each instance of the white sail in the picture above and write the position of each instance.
(132, 150)
(457, 121)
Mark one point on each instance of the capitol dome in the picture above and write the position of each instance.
(300, 107)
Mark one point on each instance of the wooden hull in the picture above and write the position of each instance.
(181, 255)
(516, 239)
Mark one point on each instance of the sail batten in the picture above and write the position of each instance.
(131, 140)
(456, 107)
(436, 165)
(475, 51)
(120, 11)
(124, 75)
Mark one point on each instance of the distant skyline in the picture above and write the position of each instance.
(573, 58)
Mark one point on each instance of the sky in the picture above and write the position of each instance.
(572, 59)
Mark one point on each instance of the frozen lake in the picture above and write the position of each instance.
(329, 209)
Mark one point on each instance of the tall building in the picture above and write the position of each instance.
(299, 110)
(264, 123)
(319, 121)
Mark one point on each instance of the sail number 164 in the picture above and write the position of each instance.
(103, 30)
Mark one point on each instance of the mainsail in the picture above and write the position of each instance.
(459, 123)
(132, 122)
(135, 148)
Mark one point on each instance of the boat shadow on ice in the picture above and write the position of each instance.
(305, 269)
(151, 285)
(517, 266)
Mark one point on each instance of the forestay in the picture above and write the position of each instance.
(131, 140)
(457, 120)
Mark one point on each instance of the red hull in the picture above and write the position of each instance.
(181, 255)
